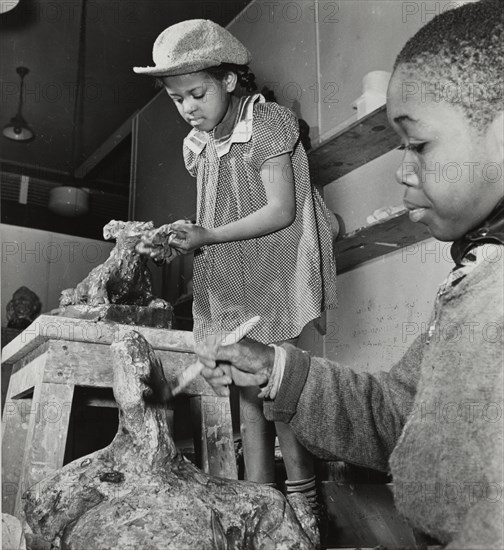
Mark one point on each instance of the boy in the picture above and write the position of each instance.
(435, 419)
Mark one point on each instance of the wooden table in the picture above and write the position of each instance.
(54, 356)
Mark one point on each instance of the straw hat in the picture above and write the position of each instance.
(192, 46)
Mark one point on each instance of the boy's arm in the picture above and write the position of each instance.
(339, 414)
(483, 525)
(278, 180)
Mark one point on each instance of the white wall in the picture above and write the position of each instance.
(45, 262)
(384, 304)
(316, 53)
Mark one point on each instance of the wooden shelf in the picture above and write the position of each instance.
(377, 239)
(364, 140)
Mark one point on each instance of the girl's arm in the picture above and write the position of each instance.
(278, 180)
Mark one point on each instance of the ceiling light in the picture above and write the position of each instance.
(8, 5)
(18, 129)
(68, 201)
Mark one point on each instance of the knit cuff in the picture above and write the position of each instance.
(284, 406)
(270, 390)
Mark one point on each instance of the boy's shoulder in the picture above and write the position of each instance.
(484, 278)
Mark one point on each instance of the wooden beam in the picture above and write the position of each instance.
(106, 148)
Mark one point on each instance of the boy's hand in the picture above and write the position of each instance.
(188, 236)
(217, 376)
(247, 363)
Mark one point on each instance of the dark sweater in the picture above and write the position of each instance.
(434, 420)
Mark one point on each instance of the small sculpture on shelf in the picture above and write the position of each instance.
(140, 492)
(121, 287)
(23, 308)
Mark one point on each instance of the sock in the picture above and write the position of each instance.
(308, 488)
(273, 484)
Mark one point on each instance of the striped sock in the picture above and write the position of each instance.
(308, 488)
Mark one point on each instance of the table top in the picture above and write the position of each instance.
(52, 327)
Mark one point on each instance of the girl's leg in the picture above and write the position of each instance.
(299, 465)
(258, 438)
(298, 461)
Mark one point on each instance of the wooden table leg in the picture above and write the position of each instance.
(14, 433)
(46, 435)
(15, 427)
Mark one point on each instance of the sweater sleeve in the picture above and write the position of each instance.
(339, 414)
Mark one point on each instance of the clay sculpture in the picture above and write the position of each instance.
(23, 308)
(139, 492)
(124, 278)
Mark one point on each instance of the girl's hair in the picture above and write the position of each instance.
(246, 78)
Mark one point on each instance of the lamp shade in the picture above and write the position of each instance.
(8, 5)
(68, 201)
(18, 129)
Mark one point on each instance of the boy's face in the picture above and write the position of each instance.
(451, 182)
(201, 100)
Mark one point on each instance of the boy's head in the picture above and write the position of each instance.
(445, 100)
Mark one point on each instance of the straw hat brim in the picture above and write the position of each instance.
(194, 45)
(178, 69)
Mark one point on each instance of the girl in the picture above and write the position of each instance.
(262, 239)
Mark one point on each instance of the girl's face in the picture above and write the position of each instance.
(451, 180)
(201, 100)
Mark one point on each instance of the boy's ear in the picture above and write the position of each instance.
(231, 79)
(495, 139)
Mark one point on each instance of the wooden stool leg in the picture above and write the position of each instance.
(213, 437)
(14, 434)
(47, 435)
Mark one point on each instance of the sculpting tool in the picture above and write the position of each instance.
(392, 245)
(164, 390)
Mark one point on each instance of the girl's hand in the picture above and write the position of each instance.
(188, 236)
(155, 244)
(148, 249)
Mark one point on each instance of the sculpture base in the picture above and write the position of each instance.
(126, 315)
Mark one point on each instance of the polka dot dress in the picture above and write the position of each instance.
(287, 277)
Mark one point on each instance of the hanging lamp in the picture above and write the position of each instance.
(69, 200)
(7, 5)
(18, 129)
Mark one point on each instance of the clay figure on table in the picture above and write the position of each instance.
(124, 278)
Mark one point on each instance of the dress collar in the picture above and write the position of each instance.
(241, 132)
(491, 230)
